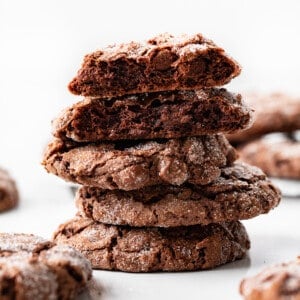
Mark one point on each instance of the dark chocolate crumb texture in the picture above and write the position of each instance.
(155, 249)
(172, 114)
(241, 192)
(131, 165)
(162, 63)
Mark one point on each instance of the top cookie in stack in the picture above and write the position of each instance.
(164, 63)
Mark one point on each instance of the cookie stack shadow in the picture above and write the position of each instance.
(161, 188)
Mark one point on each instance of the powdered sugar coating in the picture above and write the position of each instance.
(130, 165)
(149, 249)
(66, 256)
(18, 242)
(34, 268)
(182, 45)
(241, 192)
(32, 279)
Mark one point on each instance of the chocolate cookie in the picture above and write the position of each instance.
(272, 113)
(9, 195)
(130, 165)
(155, 249)
(279, 282)
(241, 192)
(153, 115)
(33, 268)
(276, 158)
(163, 63)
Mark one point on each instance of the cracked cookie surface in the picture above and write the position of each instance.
(241, 192)
(149, 249)
(9, 196)
(278, 282)
(34, 268)
(131, 165)
(153, 115)
(163, 63)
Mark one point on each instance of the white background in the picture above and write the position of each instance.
(41, 47)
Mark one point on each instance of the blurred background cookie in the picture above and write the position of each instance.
(272, 142)
(278, 156)
(9, 196)
(275, 112)
(278, 282)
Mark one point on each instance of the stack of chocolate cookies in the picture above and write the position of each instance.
(161, 188)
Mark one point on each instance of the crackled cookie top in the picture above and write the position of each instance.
(241, 192)
(34, 268)
(150, 249)
(131, 165)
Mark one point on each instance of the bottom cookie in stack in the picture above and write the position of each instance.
(180, 228)
(148, 249)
